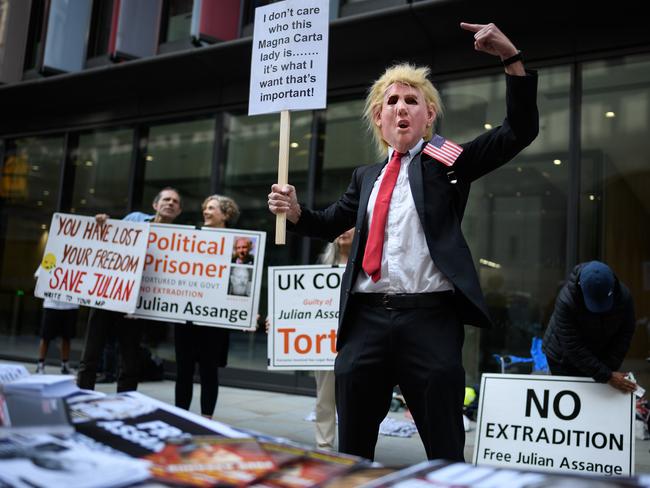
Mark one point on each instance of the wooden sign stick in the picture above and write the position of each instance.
(283, 173)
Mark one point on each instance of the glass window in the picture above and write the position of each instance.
(251, 167)
(180, 155)
(102, 165)
(35, 34)
(615, 178)
(4, 13)
(347, 144)
(100, 28)
(177, 155)
(177, 20)
(515, 221)
(29, 195)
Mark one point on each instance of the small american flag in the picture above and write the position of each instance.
(443, 150)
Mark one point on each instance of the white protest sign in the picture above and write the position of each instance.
(289, 60)
(93, 265)
(554, 423)
(304, 316)
(196, 275)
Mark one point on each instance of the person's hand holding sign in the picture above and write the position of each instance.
(283, 200)
(619, 381)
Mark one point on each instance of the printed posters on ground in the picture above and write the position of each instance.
(289, 58)
(209, 276)
(555, 423)
(303, 315)
(93, 265)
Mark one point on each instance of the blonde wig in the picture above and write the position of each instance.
(407, 74)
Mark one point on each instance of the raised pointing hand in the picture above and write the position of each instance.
(489, 39)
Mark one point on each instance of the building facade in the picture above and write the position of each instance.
(102, 105)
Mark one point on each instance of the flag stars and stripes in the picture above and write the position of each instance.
(443, 150)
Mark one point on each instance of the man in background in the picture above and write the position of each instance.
(167, 205)
(591, 328)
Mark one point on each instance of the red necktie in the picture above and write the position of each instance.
(375, 243)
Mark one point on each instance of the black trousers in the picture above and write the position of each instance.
(128, 332)
(198, 344)
(418, 349)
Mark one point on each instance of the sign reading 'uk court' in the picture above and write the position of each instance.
(304, 315)
(555, 423)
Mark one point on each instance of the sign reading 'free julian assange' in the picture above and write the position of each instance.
(555, 423)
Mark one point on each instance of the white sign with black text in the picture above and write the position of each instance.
(304, 316)
(289, 59)
(207, 276)
(554, 423)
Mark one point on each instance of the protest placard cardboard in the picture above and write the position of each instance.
(91, 264)
(289, 59)
(194, 275)
(556, 424)
(288, 70)
(303, 312)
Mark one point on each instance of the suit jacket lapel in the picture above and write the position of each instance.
(366, 189)
(417, 188)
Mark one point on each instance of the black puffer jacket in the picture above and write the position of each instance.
(586, 343)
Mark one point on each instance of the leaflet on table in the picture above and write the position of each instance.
(448, 474)
(11, 372)
(47, 461)
(315, 468)
(139, 425)
(208, 461)
(26, 413)
(44, 385)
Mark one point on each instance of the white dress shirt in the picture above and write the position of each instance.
(406, 265)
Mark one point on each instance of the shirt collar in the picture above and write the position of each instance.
(412, 152)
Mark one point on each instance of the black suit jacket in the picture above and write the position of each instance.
(585, 343)
(439, 202)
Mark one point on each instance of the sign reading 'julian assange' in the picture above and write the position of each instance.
(304, 316)
(555, 423)
(210, 277)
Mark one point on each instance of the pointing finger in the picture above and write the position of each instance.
(471, 27)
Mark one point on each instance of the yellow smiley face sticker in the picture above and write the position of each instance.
(49, 262)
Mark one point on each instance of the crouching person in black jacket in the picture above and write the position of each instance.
(591, 328)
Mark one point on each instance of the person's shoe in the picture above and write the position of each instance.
(65, 369)
(105, 379)
(40, 368)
